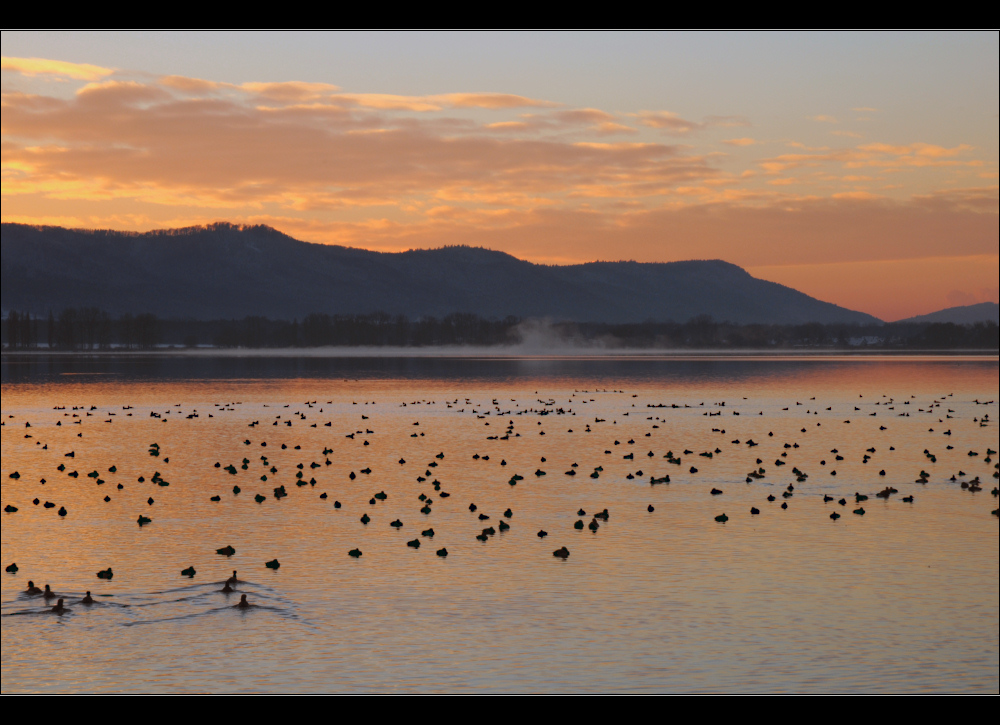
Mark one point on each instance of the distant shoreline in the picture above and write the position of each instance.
(503, 352)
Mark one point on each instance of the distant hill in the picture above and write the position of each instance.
(964, 315)
(226, 271)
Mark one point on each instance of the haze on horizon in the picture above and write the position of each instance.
(860, 169)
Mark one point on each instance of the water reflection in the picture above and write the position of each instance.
(903, 598)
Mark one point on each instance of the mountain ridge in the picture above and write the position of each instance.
(225, 271)
(960, 315)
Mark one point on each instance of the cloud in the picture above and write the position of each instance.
(127, 139)
(193, 86)
(609, 128)
(888, 157)
(667, 121)
(822, 118)
(583, 116)
(524, 175)
(490, 101)
(291, 91)
(62, 69)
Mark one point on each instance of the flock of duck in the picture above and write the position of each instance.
(60, 607)
(502, 416)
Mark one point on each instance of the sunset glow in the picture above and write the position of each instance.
(875, 190)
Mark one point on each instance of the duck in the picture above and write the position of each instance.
(32, 590)
(87, 599)
(243, 603)
(59, 608)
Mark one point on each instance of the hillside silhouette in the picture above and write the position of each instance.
(226, 271)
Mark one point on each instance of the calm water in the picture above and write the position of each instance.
(903, 598)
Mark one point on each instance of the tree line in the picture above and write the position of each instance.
(90, 328)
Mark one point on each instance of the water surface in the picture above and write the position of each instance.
(901, 599)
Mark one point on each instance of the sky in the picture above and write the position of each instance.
(859, 168)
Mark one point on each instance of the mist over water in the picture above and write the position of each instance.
(903, 598)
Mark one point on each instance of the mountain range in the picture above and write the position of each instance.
(963, 315)
(225, 271)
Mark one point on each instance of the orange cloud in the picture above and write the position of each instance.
(523, 175)
(667, 121)
(63, 69)
(389, 102)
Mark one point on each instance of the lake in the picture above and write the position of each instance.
(679, 588)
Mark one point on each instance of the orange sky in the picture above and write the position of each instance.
(877, 209)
